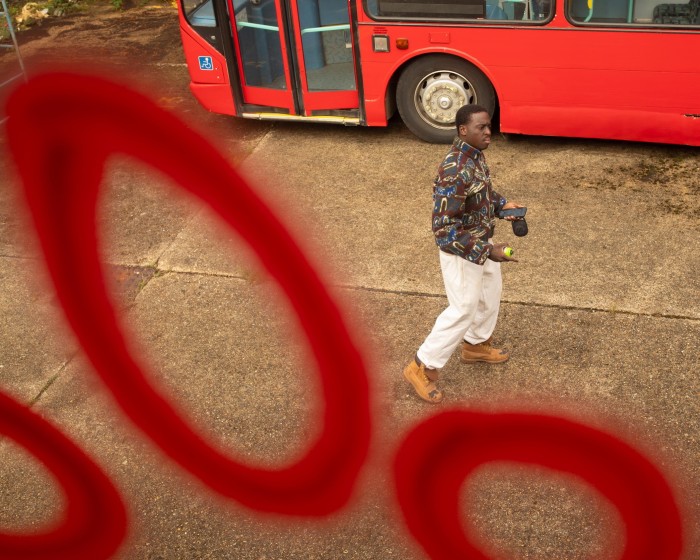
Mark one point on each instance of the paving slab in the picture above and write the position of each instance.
(590, 243)
(239, 376)
(140, 213)
(34, 340)
(225, 349)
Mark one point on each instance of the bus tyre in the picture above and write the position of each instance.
(433, 88)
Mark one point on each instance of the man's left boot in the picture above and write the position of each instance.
(482, 352)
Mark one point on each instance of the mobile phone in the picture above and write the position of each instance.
(517, 212)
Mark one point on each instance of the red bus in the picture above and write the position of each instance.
(616, 69)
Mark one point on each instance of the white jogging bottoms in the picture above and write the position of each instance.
(474, 294)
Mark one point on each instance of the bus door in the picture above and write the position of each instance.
(295, 56)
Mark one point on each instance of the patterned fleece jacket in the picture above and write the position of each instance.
(466, 205)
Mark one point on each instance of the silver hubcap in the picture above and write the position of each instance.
(439, 95)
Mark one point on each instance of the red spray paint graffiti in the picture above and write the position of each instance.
(94, 523)
(440, 453)
(60, 156)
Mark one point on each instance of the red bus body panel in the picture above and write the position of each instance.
(212, 88)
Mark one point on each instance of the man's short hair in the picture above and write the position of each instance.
(464, 114)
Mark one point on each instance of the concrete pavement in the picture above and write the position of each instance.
(600, 314)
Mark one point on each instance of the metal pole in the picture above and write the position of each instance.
(15, 46)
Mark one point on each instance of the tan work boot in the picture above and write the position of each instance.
(482, 352)
(424, 381)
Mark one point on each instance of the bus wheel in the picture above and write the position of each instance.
(431, 90)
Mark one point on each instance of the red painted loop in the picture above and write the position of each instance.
(62, 128)
(94, 520)
(439, 454)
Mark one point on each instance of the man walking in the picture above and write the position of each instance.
(463, 223)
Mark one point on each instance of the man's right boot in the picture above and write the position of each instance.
(424, 381)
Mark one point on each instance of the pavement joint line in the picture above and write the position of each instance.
(175, 239)
(51, 380)
(156, 64)
(161, 271)
(205, 207)
(255, 149)
(602, 310)
(19, 257)
(532, 304)
(442, 296)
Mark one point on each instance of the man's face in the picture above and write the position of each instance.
(477, 133)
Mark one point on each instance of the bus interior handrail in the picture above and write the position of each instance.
(322, 29)
(240, 24)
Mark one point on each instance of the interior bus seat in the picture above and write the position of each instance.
(514, 9)
(610, 11)
(494, 11)
(678, 14)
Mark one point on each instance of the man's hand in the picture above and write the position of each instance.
(497, 253)
(508, 206)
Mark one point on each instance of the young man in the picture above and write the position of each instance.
(464, 216)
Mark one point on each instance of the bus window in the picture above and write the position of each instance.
(327, 45)
(503, 10)
(259, 43)
(200, 14)
(677, 14)
(640, 12)
(441, 9)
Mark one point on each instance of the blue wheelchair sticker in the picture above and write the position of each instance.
(206, 63)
